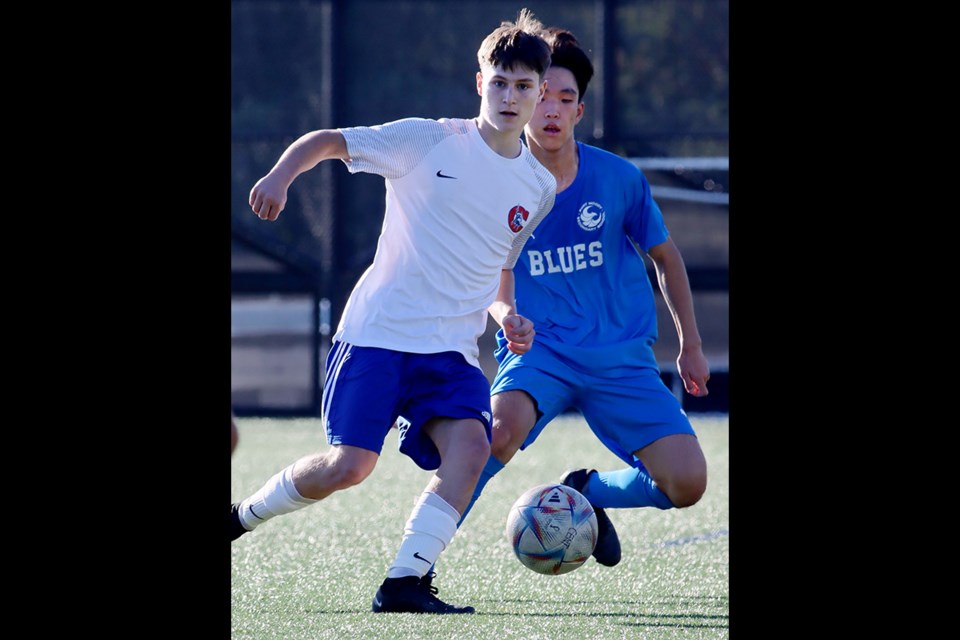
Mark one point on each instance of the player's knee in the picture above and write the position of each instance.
(317, 476)
(474, 452)
(514, 415)
(502, 438)
(508, 435)
(352, 475)
(687, 490)
(344, 472)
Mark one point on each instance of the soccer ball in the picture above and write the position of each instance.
(552, 529)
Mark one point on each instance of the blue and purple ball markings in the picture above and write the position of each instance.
(554, 516)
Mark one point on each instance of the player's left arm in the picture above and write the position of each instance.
(518, 330)
(675, 286)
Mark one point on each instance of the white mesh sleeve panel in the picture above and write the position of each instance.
(393, 149)
(549, 186)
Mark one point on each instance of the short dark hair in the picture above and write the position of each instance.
(514, 43)
(566, 53)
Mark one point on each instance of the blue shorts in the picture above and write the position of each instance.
(367, 388)
(626, 412)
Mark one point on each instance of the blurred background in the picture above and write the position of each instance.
(659, 98)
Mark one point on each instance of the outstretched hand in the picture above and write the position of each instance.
(268, 197)
(519, 333)
(694, 371)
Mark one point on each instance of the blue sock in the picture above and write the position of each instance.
(492, 468)
(623, 489)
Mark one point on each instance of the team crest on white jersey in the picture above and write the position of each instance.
(517, 217)
(591, 216)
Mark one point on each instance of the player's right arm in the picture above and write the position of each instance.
(517, 329)
(675, 287)
(269, 195)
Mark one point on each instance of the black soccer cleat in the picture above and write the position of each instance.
(411, 595)
(426, 582)
(236, 527)
(607, 551)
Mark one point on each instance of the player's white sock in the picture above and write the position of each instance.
(428, 531)
(276, 497)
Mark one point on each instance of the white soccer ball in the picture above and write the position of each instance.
(552, 529)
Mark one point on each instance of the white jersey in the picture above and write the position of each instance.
(457, 213)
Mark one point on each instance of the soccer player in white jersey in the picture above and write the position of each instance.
(462, 198)
(583, 283)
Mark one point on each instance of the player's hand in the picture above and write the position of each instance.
(694, 371)
(268, 197)
(519, 333)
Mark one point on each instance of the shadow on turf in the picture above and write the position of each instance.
(584, 614)
(720, 601)
(681, 601)
(669, 620)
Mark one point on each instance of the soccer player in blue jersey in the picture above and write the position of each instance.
(462, 198)
(582, 281)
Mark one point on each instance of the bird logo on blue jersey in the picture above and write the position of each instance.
(591, 216)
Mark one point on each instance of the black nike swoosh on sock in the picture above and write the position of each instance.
(255, 513)
(417, 555)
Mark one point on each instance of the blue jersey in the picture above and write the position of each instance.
(580, 278)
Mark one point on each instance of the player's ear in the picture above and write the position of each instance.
(580, 109)
(480, 83)
(543, 89)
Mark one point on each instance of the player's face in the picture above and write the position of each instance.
(508, 97)
(558, 113)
